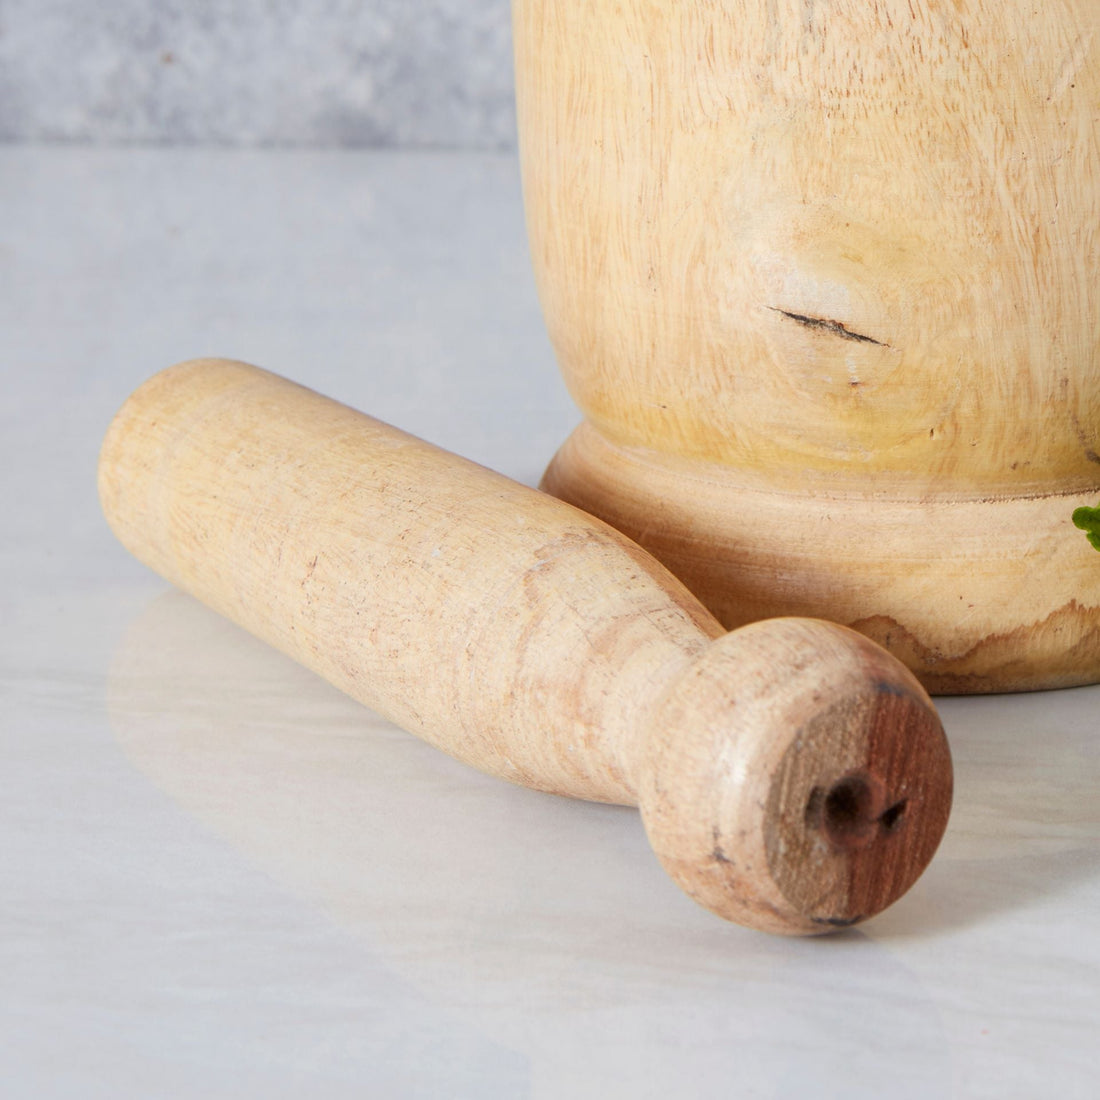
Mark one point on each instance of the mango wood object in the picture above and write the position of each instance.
(792, 776)
(825, 280)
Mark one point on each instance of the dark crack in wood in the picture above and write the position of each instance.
(836, 328)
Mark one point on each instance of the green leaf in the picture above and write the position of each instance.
(1088, 519)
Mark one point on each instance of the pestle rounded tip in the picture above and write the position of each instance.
(796, 778)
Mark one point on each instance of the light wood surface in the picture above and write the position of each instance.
(791, 776)
(824, 279)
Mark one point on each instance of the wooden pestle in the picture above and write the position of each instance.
(791, 775)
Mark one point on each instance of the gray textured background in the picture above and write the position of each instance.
(419, 73)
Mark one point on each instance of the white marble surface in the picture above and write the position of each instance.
(222, 878)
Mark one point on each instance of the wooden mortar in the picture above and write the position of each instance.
(824, 279)
(792, 776)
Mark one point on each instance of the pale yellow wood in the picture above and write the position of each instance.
(825, 279)
(791, 775)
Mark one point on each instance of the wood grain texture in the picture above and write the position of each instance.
(975, 596)
(844, 251)
(791, 776)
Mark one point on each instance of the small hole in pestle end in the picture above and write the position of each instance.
(847, 809)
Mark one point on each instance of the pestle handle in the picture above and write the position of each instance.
(791, 775)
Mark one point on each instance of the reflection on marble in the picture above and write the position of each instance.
(548, 926)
